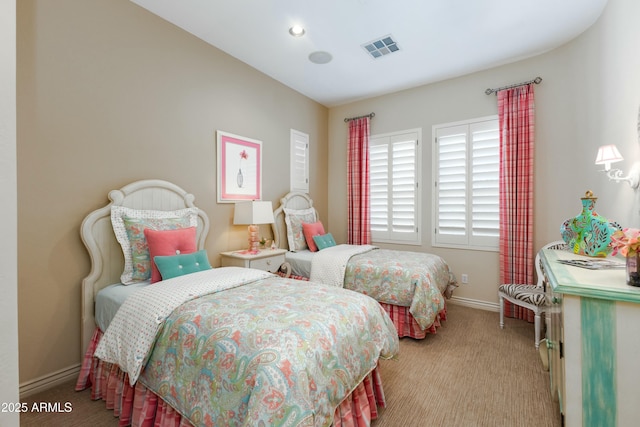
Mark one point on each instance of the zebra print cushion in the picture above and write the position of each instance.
(527, 293)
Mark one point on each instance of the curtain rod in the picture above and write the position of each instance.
(370, 115)
(537, 80)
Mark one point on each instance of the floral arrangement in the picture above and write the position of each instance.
(625, 241)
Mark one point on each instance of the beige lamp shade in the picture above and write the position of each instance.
(253, 212)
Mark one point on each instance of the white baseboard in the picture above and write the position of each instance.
(48, 381)
(473, 303)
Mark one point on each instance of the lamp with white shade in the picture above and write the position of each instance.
(608, 154)
(252, 214)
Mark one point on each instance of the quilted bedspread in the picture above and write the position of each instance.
(131, 334)
(271, 352)
(329, 265)
(410, 279)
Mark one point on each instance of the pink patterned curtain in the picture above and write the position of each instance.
(516, 116)
(359, 225)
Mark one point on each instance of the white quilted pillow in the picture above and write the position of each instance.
(294, 218)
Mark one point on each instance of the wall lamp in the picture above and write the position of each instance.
(608, 154)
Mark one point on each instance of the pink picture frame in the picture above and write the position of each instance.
(239, 168)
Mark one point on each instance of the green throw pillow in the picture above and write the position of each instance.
(324, 241)
(178, 265)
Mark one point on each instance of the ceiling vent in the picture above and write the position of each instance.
(381, 47)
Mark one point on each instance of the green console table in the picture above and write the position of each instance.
(593, 340)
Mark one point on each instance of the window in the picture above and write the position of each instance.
(466, 162)
(299, 158)
(394, 168)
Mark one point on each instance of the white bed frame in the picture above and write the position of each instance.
(107, 260)
(293, 200)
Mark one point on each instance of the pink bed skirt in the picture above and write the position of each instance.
(139, 407)
(406, 324)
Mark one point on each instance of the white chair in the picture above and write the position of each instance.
(528, 295)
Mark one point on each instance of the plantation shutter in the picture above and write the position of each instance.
(379, 186)
(394, 187)
(299, 167)
(466, 168)
(485, 198)
(451, 185)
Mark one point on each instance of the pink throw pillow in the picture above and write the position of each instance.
(312, 229)
(169, 242)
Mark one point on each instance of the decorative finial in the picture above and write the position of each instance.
(589, 195)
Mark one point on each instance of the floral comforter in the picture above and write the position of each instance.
(272, 351)
(410, 279)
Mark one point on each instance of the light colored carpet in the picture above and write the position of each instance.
(471, 373)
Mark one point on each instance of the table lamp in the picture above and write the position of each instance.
(253, 213)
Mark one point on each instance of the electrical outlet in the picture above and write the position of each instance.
(464, 278)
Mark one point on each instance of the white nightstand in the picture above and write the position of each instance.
(266, 259)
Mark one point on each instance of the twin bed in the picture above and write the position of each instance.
(217, 346)
(410, 286)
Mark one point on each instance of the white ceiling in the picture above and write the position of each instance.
(438, 39)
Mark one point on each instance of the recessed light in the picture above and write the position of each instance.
(320, 57)
(296, 31)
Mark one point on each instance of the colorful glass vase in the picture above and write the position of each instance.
(589, 233)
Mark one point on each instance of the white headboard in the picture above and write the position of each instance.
(107, 260)
(293, 200)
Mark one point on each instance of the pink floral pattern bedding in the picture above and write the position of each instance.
(410, 279)
(272, 352)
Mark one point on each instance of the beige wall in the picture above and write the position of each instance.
(590, 96)
(8, 214)
(108, 94)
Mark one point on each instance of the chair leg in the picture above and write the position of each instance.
(501, 302)
(537, 328)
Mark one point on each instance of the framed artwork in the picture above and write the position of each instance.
(239, 168)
